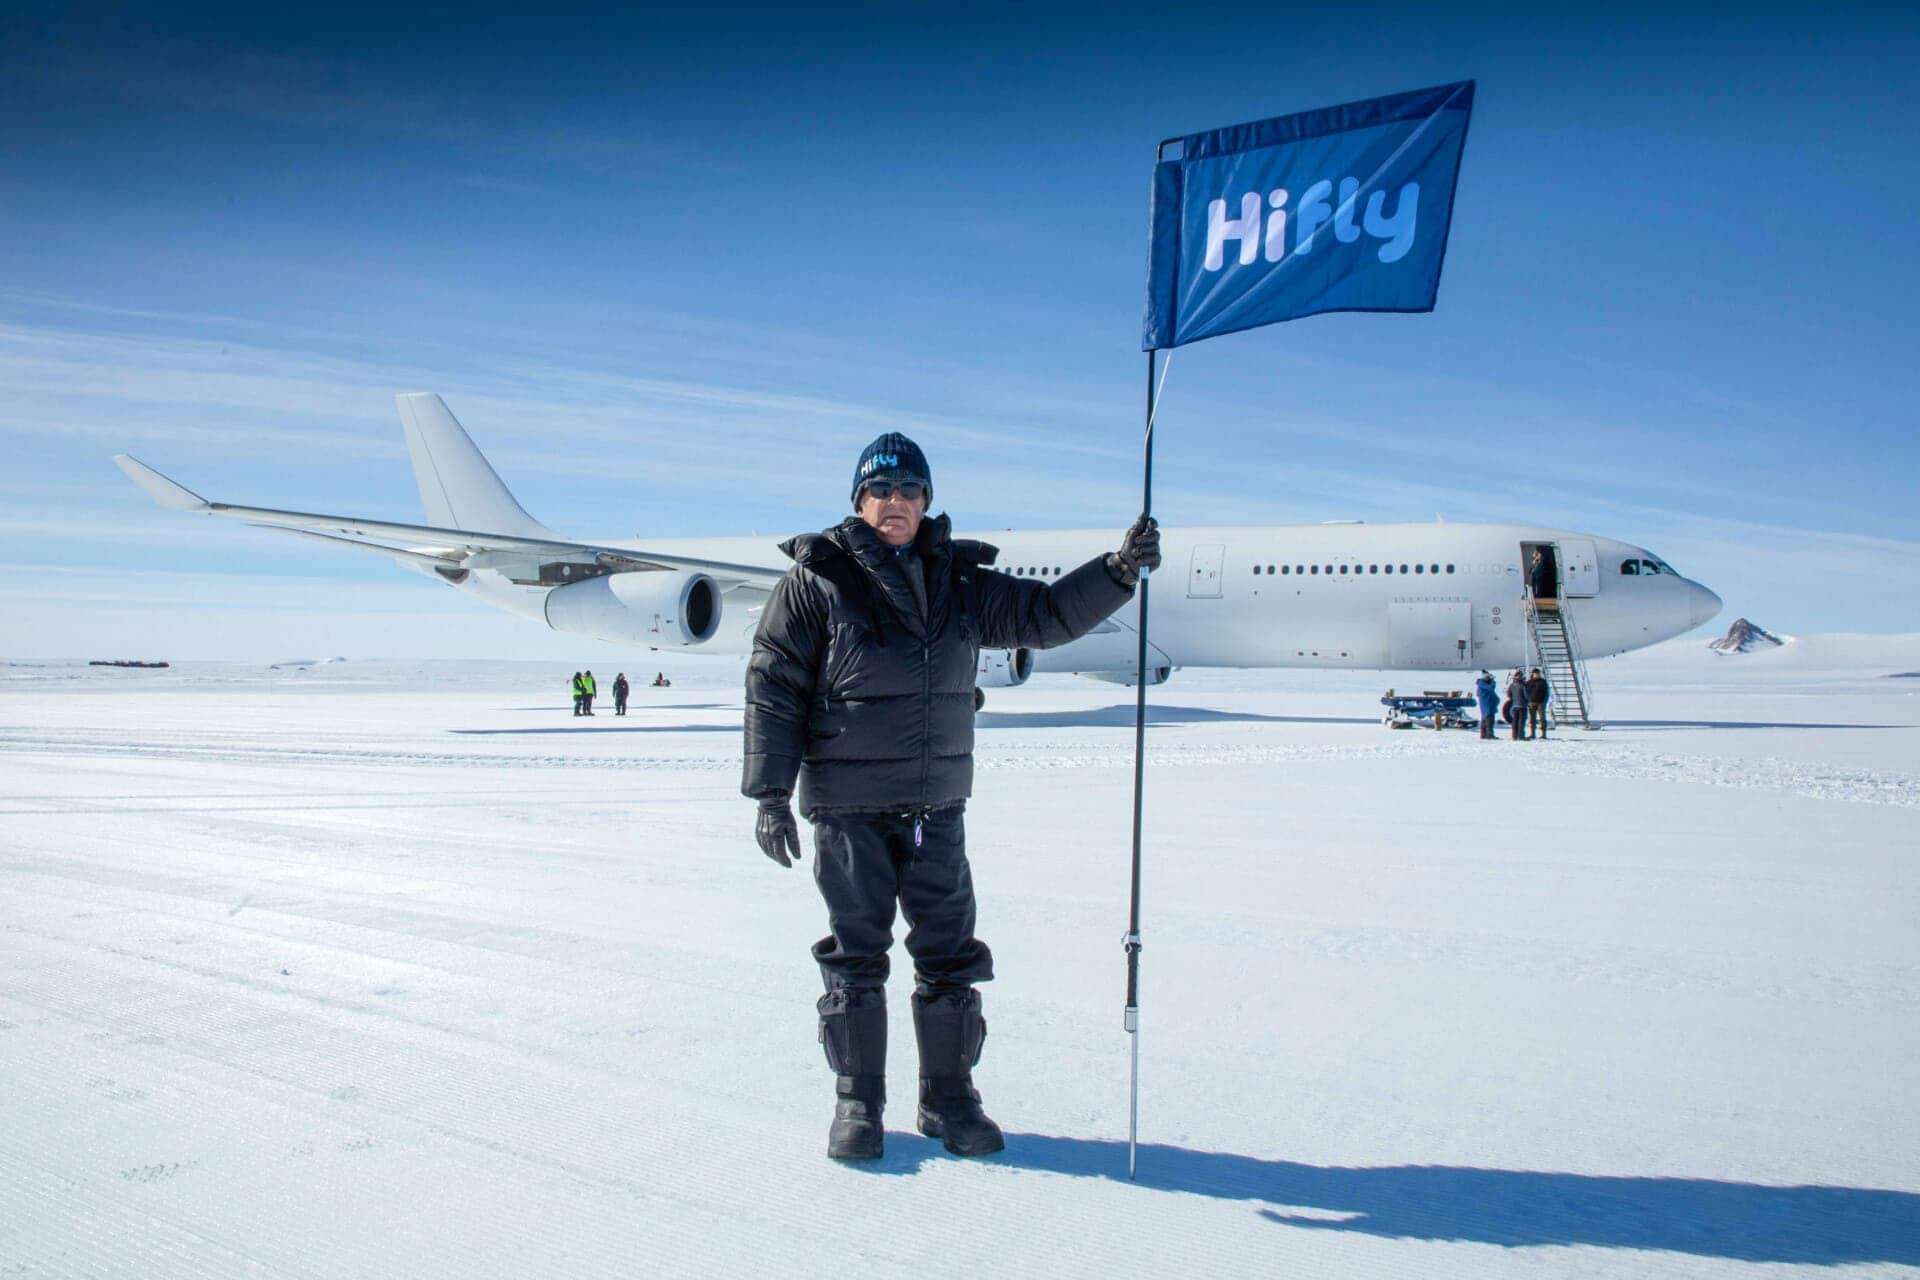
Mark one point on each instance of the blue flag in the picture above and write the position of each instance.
(1342, 209)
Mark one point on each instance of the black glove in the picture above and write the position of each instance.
(777, 832)
(1139, 549)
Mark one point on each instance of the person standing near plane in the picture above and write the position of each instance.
(1488, 700)
(620, 691)
(1537, 695)
(579, 695)
(860, 690)
(1517, 699)
(1540, 581)
(590, 689)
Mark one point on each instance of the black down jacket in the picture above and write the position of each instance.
(867, 698)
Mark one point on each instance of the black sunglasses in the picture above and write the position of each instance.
(908, 490)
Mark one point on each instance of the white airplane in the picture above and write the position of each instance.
(1342, 595)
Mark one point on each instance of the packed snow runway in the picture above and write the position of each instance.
(381, 969)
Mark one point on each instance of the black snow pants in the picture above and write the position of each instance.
(866, 862)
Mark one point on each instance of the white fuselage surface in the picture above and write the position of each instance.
(1358, 596)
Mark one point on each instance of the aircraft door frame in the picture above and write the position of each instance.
(1579, 568)
(1206, 576)
(1576, 567)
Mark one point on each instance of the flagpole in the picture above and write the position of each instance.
(1132, 940)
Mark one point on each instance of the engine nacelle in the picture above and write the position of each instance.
(1003, 668)
(660, 609)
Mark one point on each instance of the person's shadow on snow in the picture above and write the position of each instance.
(1743, 1221)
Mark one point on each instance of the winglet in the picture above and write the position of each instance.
(173, 496)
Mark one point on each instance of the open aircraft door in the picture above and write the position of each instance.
(1204, 581)
(1579, 570)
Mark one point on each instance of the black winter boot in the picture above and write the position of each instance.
(853, 1030)
(951, 1032)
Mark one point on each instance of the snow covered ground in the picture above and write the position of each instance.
(365, 969)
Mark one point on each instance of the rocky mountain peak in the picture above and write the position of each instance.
(1745, 637)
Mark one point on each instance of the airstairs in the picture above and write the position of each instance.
(1557, 653)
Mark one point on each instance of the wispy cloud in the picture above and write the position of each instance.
(127, 389)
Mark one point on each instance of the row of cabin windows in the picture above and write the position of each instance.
(1349, 568)
(1042, 571)
(1631, 568)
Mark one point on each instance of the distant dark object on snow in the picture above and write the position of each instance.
(1903, 675)
(124, 662)
(1745, 637)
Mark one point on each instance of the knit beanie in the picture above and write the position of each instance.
(892, 457)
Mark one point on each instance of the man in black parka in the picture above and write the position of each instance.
(1517, 703)
(1537, 694)
(861, 690)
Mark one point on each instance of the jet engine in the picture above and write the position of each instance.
(1003, 668)
(659, 609)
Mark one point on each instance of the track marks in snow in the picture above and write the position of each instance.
(599, 1174)
(199, 750)
(156, 1172)
(1763, 773)
(1644, 967)
(1581, 756)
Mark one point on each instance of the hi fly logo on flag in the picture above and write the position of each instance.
(1342, 209)
(1314, 212)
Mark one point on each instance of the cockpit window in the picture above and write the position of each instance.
(1631, 568)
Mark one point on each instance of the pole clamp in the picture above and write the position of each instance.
(1131, 942)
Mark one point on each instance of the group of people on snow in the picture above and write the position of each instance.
(585, 690)
(1527, 693)
(1525, 708)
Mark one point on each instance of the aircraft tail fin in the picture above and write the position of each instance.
(458, 486)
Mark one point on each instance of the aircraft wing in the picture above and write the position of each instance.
(427, 546)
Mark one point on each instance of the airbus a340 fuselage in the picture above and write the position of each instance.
(1435, 596)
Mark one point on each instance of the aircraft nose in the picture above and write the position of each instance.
(1702, 604)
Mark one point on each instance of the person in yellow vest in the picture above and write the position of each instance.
(579, 695)
(586, 679)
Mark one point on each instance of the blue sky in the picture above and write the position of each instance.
(673, 273)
